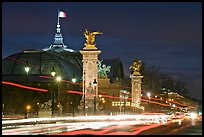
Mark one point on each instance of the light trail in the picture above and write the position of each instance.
(25, 87)
(82, 123)
(78, 92)
(116, 97)
(49, 77)
(88, 118)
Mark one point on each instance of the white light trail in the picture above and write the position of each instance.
(91, 118)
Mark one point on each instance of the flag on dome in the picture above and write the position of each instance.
(61, 14)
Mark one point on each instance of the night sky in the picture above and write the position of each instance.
(167, 34)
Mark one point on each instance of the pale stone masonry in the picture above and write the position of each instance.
(136, 90)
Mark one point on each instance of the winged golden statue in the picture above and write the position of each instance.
(90, 37)
(136, 67)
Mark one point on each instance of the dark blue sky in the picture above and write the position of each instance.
(167, 34)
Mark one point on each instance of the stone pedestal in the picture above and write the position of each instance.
(136, 90)
(44, 113)
(103, 82)
(90, 72)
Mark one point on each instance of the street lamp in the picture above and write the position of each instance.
(84, 93)
(58, 78)
(121, 99)
(27, 69)
(124, 93)
(95, 83)
(53, 73)
(28, 107)
(125, 97)
(73, 80)
(38, 107)
(148, 95)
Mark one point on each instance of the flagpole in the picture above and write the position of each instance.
(58, 18)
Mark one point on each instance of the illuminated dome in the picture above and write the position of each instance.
(65, 63)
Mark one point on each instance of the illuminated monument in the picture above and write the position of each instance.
(67, 63)
(136, 84)
(89, 102)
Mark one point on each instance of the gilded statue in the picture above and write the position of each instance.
(136, 66)
(90, 37)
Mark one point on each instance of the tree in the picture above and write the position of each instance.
(151, 80)
(180, 87)
(154, 80)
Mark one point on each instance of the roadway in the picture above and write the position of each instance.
(185, 127)
(102, 125)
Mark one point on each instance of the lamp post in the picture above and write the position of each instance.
(125, 96)
(84, 93)
(73, 80)
(28, 107)
(124, 93)
(38, 107)
(27, 68)
(58, 78)
(95, 83)
(121, 97)
(53, 73)
(148, 95)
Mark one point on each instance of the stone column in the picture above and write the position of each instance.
(90, 72)
(136, 90)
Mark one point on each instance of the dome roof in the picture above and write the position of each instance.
(65, 63)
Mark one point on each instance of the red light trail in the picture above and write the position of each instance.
(25, 87)
(77, 92)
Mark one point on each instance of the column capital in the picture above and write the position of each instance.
(136, 76)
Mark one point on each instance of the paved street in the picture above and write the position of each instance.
(188, 127)
(103, 125)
